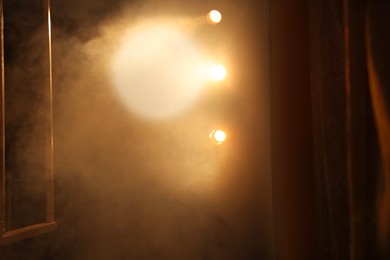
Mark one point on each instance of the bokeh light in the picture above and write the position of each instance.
(159, 71)
(218, 136)
(214, 17)
(218, 72)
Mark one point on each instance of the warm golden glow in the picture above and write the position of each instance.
(214, 17)
(218, 136)
(218, 72)
(158, 70)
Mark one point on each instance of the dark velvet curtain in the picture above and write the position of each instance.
(377, 32)
(331, 148)
(367, 32)
(350, 85)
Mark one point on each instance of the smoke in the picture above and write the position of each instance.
(132, 188)
(26, 111)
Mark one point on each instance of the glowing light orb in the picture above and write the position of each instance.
(218, 72)
(214, 17)
(158, 71)
(218, 136)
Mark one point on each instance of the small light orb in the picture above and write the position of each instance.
(218, 72)
(214, 17)
(218, 136)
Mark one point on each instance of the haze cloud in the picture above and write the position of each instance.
(134, 189)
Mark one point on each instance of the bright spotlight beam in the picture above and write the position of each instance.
(158, 72)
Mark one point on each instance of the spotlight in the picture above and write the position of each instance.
(218, 136)
(218, 72)
(214, 17)
(142, 79)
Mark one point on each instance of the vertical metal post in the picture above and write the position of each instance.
(49, 149)
(2, 117)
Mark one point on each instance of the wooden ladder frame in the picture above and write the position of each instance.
(11, 236)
